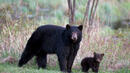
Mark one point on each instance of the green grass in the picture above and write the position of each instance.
(13, 68)
(9, 68)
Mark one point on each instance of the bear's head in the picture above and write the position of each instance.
(98, 57)
(74, 33)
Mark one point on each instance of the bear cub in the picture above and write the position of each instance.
(92, 62)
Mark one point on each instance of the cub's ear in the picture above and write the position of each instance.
(94, 53)
(80, 27)
(102, 54)
(67, 26)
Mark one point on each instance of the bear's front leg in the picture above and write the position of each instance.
(26, 56)
(70, 61)
(95, 69)
(71, 58)
(62, 62)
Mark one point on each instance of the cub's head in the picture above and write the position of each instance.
(98, 57)
(74, 33)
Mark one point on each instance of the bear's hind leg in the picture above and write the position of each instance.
(41, 60)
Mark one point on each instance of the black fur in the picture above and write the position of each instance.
(92, 62)
(52, 39)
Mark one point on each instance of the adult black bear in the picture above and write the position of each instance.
(92, 62)
(52, 39)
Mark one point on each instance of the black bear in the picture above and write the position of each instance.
(52, 39)
(92, 62)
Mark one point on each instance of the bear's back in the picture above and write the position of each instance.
(51, 28)
(87, 60)
(49, 35)
(50, 31)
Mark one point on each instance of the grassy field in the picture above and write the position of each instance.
(18, 20)
(116, 59)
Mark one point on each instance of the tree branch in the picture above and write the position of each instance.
(85, 19)
(94, 12)
(91, 13)
(71, 11)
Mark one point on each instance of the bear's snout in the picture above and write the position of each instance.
(74, 36)
(99, 60)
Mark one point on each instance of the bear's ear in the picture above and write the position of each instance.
(80, 27)
(67, 26)
(95, 53)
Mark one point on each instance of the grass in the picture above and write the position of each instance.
(13, 68)
(8, 68)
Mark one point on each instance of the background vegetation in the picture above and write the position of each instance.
(19, 18)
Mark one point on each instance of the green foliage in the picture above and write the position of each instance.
(8, 1)
(59, 14)
(106, 13)
(106, 31)
(124, 70)
(125, 9)
(126, 5)
(111, 12)
(79, 15)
